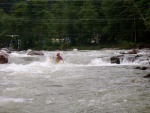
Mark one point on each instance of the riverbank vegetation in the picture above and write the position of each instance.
(66, 24)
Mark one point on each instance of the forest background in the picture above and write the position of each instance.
(82, 24)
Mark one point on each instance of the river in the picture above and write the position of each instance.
(86, 82)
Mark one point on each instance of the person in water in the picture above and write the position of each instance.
(58, 57)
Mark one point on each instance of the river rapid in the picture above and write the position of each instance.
(86, 82)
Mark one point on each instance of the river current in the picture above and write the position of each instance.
(86, 82)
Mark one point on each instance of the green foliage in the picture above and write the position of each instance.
(147, 22)
(120, 22)
(125, 44)
(87, 17)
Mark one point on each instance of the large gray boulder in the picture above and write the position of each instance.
(3, 57)
(115, 59)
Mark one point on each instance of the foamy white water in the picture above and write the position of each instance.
(86, 82)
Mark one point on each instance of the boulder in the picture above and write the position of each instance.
(3, 57)
(35, 53)
(6, 49)
(134, 51)
(115, 59)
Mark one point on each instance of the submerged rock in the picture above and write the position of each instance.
(137, 80)
(147, 76)
(133, 51)
(6, 50)
(35, 53)
(142, 68)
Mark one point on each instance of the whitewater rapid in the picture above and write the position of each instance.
(86, 82)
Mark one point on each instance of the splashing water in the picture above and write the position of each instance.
(85, 82)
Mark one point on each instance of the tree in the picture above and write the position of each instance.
(5, 28)
(125, 21)
(86, 22)
(32, 23)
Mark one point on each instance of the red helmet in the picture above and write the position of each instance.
(58, 54)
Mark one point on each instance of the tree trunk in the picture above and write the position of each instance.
(135, 39)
